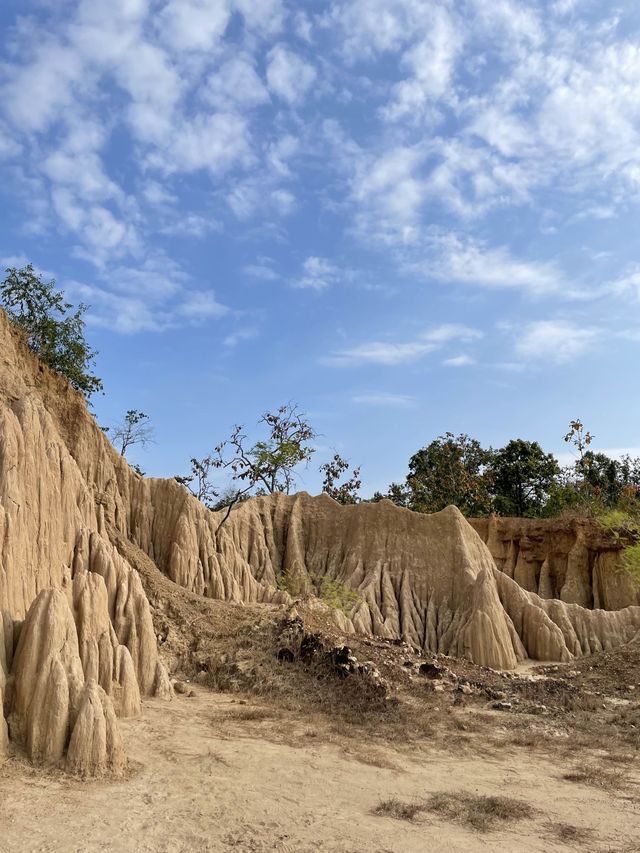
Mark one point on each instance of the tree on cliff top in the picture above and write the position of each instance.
(263, 468)
(523, 476)
(53, 330)
(449, 470)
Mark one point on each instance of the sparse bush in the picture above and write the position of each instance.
(480, 812)
(397, 809)
(597, 777)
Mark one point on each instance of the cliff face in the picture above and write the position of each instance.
(569, 559)
(77, 644)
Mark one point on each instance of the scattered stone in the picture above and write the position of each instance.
(432, 670)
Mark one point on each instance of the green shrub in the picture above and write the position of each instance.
(624, 525)
(337, 595)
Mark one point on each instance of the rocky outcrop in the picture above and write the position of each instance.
(572, 559)
(77, 642)
(75, 623)
(428, 580)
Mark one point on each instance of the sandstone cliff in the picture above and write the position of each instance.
(77, 641)
(570, 559)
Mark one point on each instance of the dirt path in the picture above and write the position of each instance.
(197, 788)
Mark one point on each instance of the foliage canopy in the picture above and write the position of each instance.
(52, 328)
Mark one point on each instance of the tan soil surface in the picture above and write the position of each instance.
(211, 773)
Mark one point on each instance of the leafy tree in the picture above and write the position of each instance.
(52, 329)
(630, 471)
(265, 467)
(398, 493)
(602, 476)
(333, 471)
(135, 428)
(450, 470)
(271, 462)
(523, 477)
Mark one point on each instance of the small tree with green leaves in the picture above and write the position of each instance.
(265, 467)
(54, 331)
(333, 471)
(271, 462)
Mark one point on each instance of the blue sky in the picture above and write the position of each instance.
(409, 216)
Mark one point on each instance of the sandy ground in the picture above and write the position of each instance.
(196, 786)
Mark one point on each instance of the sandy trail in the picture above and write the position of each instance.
(196, 788)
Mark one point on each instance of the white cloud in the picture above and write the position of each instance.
(152, 297)
(236, 83)
(288, 75)
(261, 270)
(459, 361)
(157, 194)
(385, 400)
(468, 261)
(194, 24)
(76, 163)
(264, 17)
(371, 27)
(317, 274)
(9, 147)
(215, 143)
(200, 305)
(240, 336)
(191, 225)
(627, 284)
(432, 63)
(102, 233)
(29, 97)
(554, 340)
(390, 194)
(394, 353)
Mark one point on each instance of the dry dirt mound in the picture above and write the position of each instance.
(77, 527)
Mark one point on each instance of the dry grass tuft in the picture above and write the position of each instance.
(480, 812)
(245, 715)
(397, 809)
(596, 776)
(567, 832)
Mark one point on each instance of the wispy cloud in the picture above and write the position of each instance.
(555, 340)
(317, 274)
(391, 353)
(152, 297)
(383, 399)
(459, 361)
(469, 261)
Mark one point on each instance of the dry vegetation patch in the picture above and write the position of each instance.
(567, 833)
(479, 812)
(398, 809)
(596, 776)
(483, 813)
